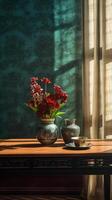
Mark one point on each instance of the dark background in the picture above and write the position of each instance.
(38, 38)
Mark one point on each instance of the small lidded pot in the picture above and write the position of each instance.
(69, 130)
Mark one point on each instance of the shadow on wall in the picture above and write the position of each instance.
(38, 39)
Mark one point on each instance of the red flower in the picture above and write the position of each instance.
(64, 97)
(46, 80)
(42, 109)
(60, 94)
(44, 103)
(33, 80)
(52, 102)
(36, 88)
(57, 89)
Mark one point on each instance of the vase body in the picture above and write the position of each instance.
(47, 132)
(70, 129)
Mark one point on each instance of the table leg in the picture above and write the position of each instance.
(106, 187)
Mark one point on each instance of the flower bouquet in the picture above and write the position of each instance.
(46, 104)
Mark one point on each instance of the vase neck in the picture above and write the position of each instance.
(69, 122)
(47, 121)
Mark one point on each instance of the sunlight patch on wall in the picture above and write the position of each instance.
(68, 53)
(64, 35)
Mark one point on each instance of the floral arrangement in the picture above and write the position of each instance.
(46, 104)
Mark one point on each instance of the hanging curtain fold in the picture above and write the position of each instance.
(97, 79)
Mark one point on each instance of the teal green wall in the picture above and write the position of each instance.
(38, 38)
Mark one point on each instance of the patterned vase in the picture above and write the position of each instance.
(47, 132)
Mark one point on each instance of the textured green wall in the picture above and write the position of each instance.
(37, 38)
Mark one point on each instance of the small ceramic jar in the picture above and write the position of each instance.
(70, 129)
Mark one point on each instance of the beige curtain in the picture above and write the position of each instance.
(97, 79)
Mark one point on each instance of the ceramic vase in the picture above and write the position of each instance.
(47, 132)
(69, 130)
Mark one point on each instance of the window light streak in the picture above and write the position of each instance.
(108, 24)
(108, 91)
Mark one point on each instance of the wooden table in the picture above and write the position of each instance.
(27, 156)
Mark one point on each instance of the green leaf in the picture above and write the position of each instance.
(60, 113)
(34, 109)
(57, 114)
